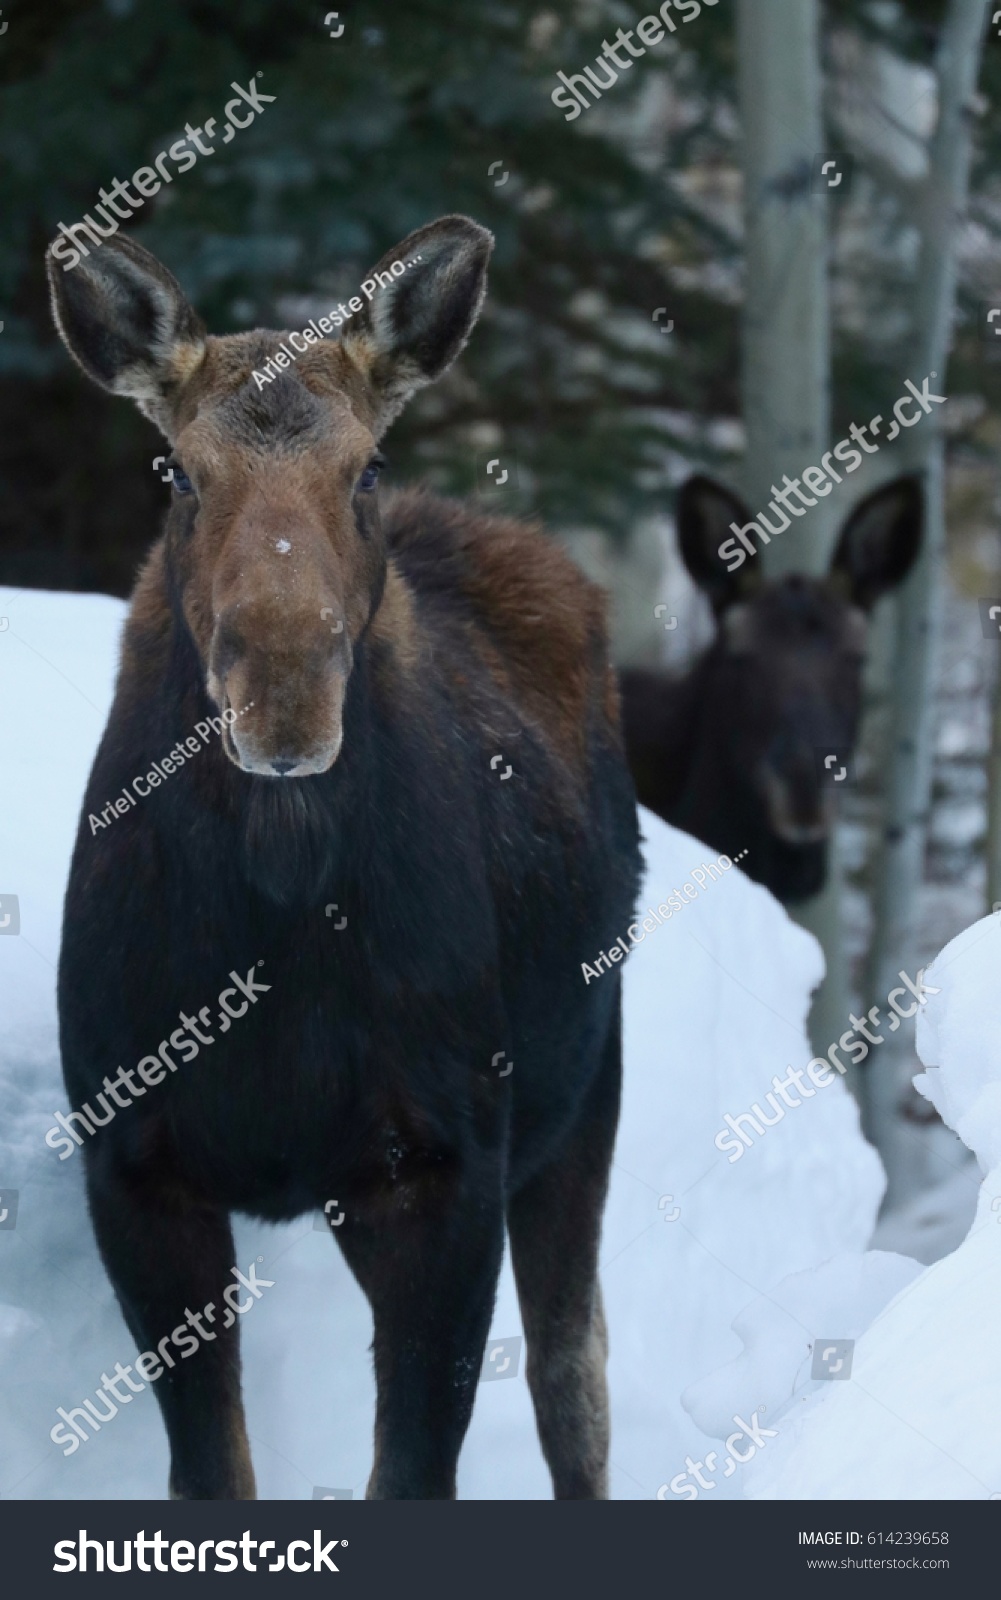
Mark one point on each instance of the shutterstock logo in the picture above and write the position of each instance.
(501, 1359)
(832, 1359)
(496, 474)
(179, 1555)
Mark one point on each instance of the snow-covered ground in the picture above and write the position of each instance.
(917, 1416)
(715, 1007)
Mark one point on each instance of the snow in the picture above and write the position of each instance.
(715, 1005)
(833, 1302)
(917, 1417)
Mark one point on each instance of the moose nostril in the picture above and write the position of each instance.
(281, 767)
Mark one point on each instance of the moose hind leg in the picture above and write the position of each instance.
(554, 1223)
(168, 1261)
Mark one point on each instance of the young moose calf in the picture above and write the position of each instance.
(744, 749)
(430, 1055)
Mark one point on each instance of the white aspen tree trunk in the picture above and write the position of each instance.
(941, 204)
(786, 356)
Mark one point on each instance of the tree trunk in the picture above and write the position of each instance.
(786, 367)
(901, 859)
(786, 370)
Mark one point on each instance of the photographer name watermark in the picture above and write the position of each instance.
(164, 768)
(653, 920)
(315, 332)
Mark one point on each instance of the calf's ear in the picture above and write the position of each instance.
(880, 541)
(125, 320)
(715, 558)
(421, 302)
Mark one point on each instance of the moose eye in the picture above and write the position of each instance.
(182, 483)
(370, 477)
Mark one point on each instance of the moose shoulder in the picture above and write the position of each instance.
(734, 750)
(430, 1057)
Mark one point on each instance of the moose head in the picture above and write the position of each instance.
(273, 537)
(744, 752)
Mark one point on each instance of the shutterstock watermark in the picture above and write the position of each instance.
(571, 96)
(186, 1040)
(146, 181)
(735, 1138)
(832, 1360)
(186, 1338)
(179, 1555)
(820, 480)
(755, 1435)
(653, 920)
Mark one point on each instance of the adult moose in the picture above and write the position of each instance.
(740, 750)
(429, 1056)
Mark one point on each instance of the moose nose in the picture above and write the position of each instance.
(276, 668)
(799, 808)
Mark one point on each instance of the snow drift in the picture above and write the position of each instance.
(915, 1415)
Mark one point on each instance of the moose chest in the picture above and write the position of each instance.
(312, 1070)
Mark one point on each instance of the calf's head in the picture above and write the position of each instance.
(785, 671)
(273, 537)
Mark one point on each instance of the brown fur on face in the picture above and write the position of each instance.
(518, 611)
(275, 545)
(279, 554)
(271, 469)
(740, 747)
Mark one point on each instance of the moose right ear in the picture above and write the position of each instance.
(423, 298)
(709, 549)
(881, 540)
(125, 320)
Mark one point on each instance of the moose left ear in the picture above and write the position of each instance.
(879, 543)
(423, 298)
(124, 318)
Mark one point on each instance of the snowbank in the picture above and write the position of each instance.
(916, 1417)
(715, 1005)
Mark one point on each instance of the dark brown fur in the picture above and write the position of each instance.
(742, 750)
(376, 667)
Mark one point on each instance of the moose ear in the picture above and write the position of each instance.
(708, 547)
(125, 320)
(422, 301)
(879, 543)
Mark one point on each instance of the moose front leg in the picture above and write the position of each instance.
(427, 1252)
(170, 1263)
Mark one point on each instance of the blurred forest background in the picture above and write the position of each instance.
(637, 206)
(601, 221)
